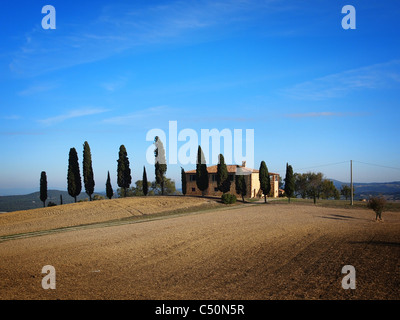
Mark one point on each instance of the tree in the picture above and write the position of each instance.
(328, 190)
(300, 184)
(109, 189)
(160, 163)
(183, 180)
(265, 181)
(123, 170)
(139, 189)
(74, 175)
(378, 205)
(43, 188)
(223, 180)
(314, 185)
(345, 191)
(201, 172)
(145, 182)
(87, 168)
(336, 194)
(240, 185)
(289, 182)
(169, 187)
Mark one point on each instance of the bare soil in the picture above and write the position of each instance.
(251, 251)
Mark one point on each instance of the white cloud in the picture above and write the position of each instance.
(36, 89)
(377, 76)
(111, 86)
(121, 27)
(322, 114)
(11, 117)
(72, 114)
(138, 115)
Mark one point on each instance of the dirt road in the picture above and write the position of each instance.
(273, 251)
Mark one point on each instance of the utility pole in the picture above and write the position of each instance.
(351, 182)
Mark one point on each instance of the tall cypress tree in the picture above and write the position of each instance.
(183, 179)
(223, 180)
(160, 163)
(201, 172)
(265, 181)
(109, 189)
(43, 188)
(289, 182)
(240, 186)
(88, 177)
(123, 170)
(74, 176)
(145, 182)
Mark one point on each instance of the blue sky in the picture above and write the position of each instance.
(315, 94)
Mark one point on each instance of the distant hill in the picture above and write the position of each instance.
(391, 190)
(32, 200)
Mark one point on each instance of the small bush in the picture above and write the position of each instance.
(378, 205)
(97, 197)
(51, 204)
(228, 198)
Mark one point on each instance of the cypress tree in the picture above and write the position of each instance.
(183, 179)
(88, 177)
(160, 163)
(145, 182)
(289, 182)
(223, 181)
(240, 186)
(109, 189)
(123, 170)
(43, 188)
(265, 182)
(74, 176)
(201, 172)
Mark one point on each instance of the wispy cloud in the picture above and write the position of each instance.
(11, 117)
(21, 133)
(71, 115)
(120, 27)
(377, 76)
(323, 114)
(112, 86)
(34, 89)
(139, 115)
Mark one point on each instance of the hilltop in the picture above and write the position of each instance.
(87, 213)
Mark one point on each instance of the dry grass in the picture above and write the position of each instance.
(85, 213)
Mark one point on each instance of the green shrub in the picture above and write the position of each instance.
(51, 204)
(228, 198)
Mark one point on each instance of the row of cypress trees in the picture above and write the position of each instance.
(74, 183)
(124, 174)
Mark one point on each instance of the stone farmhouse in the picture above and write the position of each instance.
(251, 178)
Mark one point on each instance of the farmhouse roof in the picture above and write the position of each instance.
(232, 168)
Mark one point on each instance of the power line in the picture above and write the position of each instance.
(377, 165)
(336, 163)
(323, 165)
